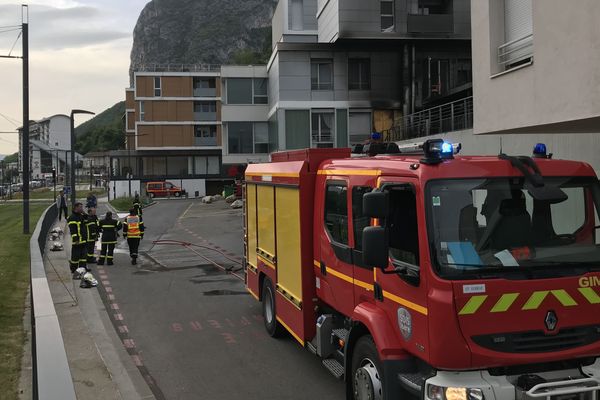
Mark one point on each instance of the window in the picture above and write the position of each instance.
(359, 220)
(322, 130)
(359, 74)
(260, 91)
(205, 135)
(239, 91)
(247, 91)
(157, 86)
(517, 47)
(261, 137)
(239, 137)
(142, 111)
(205, 107)
(204, 87)
(321, 74)
(336, 212)
(402, 225)
(207, 165)
(359, 127)
(387, 15)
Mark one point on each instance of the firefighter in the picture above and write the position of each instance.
(77, 228)
(109, 228)
(137, 205)
(92, 226)
(133, 230)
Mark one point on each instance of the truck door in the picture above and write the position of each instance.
(403, 295)
(336, 270)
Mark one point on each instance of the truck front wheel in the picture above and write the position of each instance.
(273, 327)
(367, 371)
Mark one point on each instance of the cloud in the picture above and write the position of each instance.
(62, 28)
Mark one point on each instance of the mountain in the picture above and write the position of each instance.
(103, 132)
(202, 31)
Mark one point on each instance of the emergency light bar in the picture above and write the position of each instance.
(433, 150)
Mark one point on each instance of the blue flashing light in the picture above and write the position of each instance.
(539, 150)
(447, 148)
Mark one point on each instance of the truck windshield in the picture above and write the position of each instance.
(502, 227)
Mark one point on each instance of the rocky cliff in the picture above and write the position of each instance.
(201, 31)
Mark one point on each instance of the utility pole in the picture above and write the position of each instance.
(25, 134)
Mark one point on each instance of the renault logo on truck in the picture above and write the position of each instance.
(551, 320)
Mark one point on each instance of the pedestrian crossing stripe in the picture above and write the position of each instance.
(533, 302)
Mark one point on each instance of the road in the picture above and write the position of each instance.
(193, 330)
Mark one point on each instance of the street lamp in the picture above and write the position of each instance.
(73, 112)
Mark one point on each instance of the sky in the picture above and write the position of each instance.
(78, 58)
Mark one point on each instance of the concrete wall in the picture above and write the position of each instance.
(329, 20)
(579, 147)
(121, 188)
(561, 85)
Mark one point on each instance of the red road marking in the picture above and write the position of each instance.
(111, 296)
(114, 306)
(123, 329)
(108, 289)
(106, 283)
(119, 317)
(176, 327)
(129, 343)
(196, 326)
(245, 321)
(215, 324)
(229, 339)
(137, 360)
(229, 322)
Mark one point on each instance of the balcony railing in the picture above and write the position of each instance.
(179, 68)
(454, 116)
(515, 51)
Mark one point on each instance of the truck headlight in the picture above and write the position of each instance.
(435, 392)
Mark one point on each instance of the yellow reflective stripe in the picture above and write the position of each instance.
(397, 299)
(535, 300)
(252, 293)
(367, 172)
(504, 302)
(564, 298)
(291, 331)
(473, 305)
(409, 304)
(108, 226)
(590, 295)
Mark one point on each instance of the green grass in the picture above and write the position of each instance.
(122, 203)
(14, 281)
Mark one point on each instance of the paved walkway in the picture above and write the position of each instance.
(100, 365)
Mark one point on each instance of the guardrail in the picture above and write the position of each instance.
(179, 68)
(51, 374)
(454, 116)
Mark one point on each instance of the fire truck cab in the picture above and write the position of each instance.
(421, 273)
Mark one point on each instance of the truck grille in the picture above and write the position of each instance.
(539, 341)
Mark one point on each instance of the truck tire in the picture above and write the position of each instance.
(273, 327)
(367, 371)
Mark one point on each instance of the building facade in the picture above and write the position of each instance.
(540, 60)
(49, 144)
(341, 70)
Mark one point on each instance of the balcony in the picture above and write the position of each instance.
(205, 92)
(205, 116)
(205, 141)
(432, 23)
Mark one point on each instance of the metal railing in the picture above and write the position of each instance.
(51, 374)
(179, 68)
(516, 50)
(454, 116)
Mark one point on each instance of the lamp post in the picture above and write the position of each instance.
(73, 112)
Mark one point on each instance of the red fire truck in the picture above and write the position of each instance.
(421, 273)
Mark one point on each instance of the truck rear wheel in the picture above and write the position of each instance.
(367, 371)
(273, 327)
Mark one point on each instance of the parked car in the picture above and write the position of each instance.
(163, 189)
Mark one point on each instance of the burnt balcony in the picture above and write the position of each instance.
(432, 23)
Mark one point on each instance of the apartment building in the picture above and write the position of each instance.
(49, 144)
(540, 60)
(343, 69)
(192, 124)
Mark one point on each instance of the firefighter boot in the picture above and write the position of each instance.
(133, 260)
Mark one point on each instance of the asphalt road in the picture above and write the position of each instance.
(192, 329)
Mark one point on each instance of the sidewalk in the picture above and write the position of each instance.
(100, 365)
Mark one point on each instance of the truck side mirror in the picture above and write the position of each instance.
(375, 247)
(376, 204)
